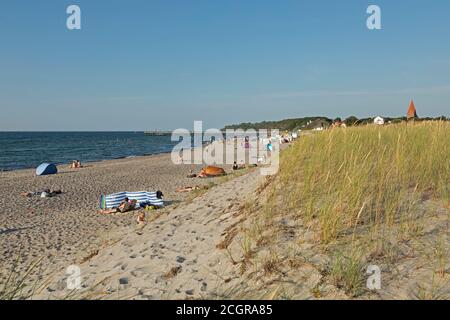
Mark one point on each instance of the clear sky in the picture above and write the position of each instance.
(161, 64)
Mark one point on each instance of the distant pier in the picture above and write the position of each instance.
(158, 133)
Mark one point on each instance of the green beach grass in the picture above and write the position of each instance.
(371, 175)
(356, 195)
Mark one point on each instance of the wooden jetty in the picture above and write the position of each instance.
(158, 133)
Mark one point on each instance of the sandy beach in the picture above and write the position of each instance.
(61, 229)
(53, 233)
(177, 256)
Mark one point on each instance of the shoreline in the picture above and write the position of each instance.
(90, 162)
(32, 227)
(65, 229)
(98, 161)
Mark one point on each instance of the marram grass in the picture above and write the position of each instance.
(370, 175)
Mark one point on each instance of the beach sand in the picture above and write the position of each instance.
(174, 257)
(67, 229)
(63, 228)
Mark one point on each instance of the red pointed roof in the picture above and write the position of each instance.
(412, 113)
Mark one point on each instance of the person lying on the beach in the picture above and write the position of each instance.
(125, 206)
(187, 189)
(46, 193)
(238, 167)
(191, 174)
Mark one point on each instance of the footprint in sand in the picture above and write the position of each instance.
(192, 262)
(136, 273)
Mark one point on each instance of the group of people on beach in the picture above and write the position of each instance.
(130, 204)
(76, 164)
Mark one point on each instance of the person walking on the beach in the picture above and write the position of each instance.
(180, 157)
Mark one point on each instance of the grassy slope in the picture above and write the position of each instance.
(358, 196)
(375, 175)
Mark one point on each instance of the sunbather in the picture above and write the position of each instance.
(191, 174)
(187, 189)
(238, 167)
(46, 193)
(76, 164)
(125, 206)
(141, 218)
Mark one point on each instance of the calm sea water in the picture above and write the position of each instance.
(29, 149)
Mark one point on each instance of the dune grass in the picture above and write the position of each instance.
(356, 194)
(370, 175)
(16, 285)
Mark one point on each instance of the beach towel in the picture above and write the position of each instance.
(113, 200)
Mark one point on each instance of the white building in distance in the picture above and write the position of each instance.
(378, 121)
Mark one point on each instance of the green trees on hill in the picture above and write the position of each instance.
(283, 125)
(308, 123)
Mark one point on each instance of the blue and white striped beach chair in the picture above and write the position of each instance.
(114, 200)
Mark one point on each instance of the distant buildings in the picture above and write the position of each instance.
(378, 121)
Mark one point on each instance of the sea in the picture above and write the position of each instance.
(19, 150)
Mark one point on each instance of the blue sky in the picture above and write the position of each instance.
(147, 64)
